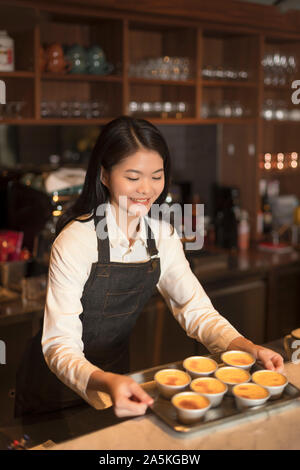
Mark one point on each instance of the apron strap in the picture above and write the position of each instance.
(152, 250)
(103, 242)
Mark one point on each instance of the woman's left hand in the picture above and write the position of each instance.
(270, 359)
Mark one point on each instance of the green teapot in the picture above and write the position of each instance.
(96, 61)
(76, 56)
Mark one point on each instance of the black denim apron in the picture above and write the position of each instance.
(113, 297)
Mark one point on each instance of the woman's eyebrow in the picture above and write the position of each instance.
(140, 172)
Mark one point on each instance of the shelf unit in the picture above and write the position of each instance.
(128, 38)
(281, 134)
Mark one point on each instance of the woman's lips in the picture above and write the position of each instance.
(143, 201)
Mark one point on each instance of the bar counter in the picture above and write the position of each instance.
(272, 430)
(83, 427)
(76, 423)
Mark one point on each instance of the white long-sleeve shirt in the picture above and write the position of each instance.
(72, 255)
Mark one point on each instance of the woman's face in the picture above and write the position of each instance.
(136, 182)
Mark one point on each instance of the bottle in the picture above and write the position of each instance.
(266, 217)
(243, 231)
(7, 55)
(260, 223)
(267, 214)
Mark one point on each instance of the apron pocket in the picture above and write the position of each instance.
(120, 304)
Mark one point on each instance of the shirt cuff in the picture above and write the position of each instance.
(98, 400)
(223, 341)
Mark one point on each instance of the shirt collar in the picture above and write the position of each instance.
(117, 236)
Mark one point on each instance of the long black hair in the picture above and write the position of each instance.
(118, 139)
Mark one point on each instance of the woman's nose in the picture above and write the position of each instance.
(144, 187)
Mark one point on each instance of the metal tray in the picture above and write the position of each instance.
(227, 411)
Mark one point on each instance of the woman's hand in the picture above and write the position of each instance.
(128, 397)
(270, 359)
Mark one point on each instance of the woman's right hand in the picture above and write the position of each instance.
(128, 397)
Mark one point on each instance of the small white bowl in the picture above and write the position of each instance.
(188, 415)
(200, 373)
(275, 390)
(225, 357)
(215, 398)
(245, 377)
(246, 402)
(168, 390)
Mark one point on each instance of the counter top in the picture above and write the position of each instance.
(20, 310)
(273, 429)
(83, 427)
(276, 429)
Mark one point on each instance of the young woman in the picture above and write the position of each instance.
(106, 262)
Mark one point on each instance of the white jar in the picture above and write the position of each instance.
(243, 232)
(7, 55)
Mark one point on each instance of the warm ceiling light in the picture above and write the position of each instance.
(280, 157)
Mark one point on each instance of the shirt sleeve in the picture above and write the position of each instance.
(62, 332)
(188, 301)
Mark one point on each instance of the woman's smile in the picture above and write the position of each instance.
(144, 201)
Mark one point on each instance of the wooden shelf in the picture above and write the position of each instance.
(193, 120)
(156, 81)
(102, 121)
(229, 84)
(17, 74)
(278, 87)
(81, 77)
(278, 173)
(281, 122)
(244, 120)
(19, 122)
(72, 122)
(170, 120)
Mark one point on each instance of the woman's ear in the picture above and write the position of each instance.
(104, 176)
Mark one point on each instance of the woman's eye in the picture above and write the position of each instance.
(157, 179)
(132, 179)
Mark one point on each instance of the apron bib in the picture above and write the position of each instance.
(113, 298)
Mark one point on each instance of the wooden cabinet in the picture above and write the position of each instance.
(159, 64)
(15, 330)
(162, 70)
(280, 113)
(243, 304)
(95, 98)
(223, 80)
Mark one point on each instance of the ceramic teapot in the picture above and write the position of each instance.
(291, 345)
(56, 62)
(76, 56)
(96, 61)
